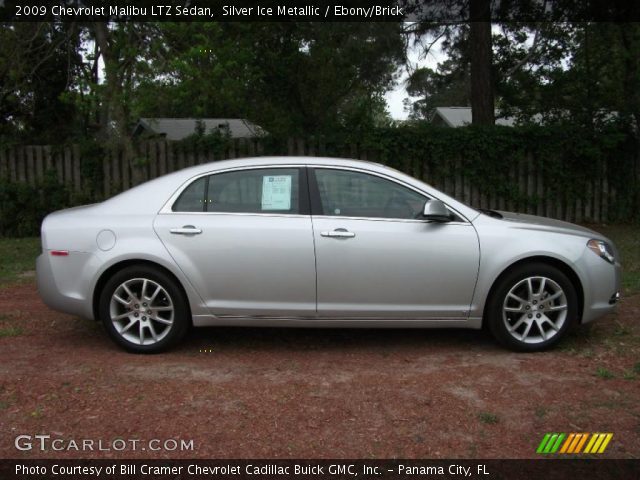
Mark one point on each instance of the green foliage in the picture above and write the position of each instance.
(604, 373)
(23, 206)
(38, 62)
(584, 72)
(10, 332)
(569, 160)
(215, 141)
(92, 154)
(569, 157)
(289, 78)
(488, 418)
(19, 256)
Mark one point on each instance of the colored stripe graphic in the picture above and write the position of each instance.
(578, 437)
(550, 443)
(553, 442)
(582, 441)
(592, 440)
(567, 442)
(543, 443)
(556, 445)
(606, 441)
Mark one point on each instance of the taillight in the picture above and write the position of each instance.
(60, 253)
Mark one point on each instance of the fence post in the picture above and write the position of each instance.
(22, 176)
(106, 186)
(605, 193)
(171, 167)
(112, 158)
(48, 161)
(68, 170)
(4, 165)
(540, 210)
(152, 159)
(30, 167)
(39, 165)
(596, 198)
(77, 178)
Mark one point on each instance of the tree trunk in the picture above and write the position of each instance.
(113, 107)
(630, 37)
(480, 50)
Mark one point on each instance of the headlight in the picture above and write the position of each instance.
(602, 249)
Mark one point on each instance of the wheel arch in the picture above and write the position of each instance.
(554, 262)
(116, 267)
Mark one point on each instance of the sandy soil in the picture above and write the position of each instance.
(265, 393)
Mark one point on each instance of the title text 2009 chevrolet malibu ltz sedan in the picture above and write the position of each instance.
(318, 242)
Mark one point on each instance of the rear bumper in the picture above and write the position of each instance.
(62, 285)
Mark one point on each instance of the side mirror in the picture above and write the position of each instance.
(436, 211)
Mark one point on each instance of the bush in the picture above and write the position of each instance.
(23, 206)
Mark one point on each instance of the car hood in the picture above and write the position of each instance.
(535, 222)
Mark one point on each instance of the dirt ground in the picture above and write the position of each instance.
(267, 393)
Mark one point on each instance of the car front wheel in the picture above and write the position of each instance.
(143, 309)
(532, 308)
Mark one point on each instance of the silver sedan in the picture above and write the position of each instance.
(318, 242)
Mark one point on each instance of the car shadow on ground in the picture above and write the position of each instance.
(331, 339)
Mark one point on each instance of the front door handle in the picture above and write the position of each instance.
(339, 233)
(186, 230)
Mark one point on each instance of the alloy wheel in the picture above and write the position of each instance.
(534, 310)
(141, 311)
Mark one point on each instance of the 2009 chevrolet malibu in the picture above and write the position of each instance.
(318, 242)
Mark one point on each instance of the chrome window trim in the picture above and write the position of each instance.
(167, 210)
(380, 219)
(241, 214)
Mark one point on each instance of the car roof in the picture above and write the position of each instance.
(279, 160)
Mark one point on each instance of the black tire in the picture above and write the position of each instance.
(498, 320)
(170, 296)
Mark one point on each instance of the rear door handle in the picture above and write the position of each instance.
(186, 230)
(338, 233)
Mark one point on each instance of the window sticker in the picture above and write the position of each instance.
(276, 192)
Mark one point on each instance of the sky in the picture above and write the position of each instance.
(396, 96)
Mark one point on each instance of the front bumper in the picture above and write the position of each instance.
(602, 287)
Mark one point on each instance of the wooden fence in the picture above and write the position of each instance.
(30, 164)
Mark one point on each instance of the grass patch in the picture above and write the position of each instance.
(541, 412)
(621, 330)
(604, 373)
(488, 418)
(19, 256)
(627, 240)
(38, 412)
(10, 331)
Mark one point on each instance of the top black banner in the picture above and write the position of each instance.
(439, 11)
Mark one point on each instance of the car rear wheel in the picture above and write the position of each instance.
(143, 309)
(532, 308)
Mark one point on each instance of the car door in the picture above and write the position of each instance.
(375, 256)
(244, 240)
